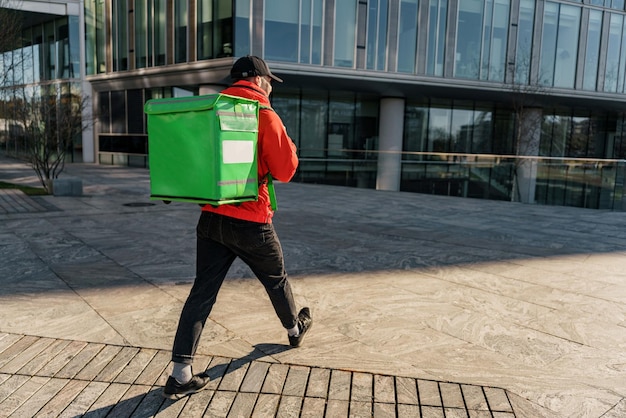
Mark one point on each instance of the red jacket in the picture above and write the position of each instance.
(276, 154)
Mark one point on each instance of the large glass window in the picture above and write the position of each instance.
(472, 128)
(622, 62)
(150, 33)
(37, 41)
(293, 31)
(366, 128)
(120, 35)
(141, 34)
(377, 34)
(524, 41)
(6, 64)
(27, 54)
(118, 111)
(63, 47)
(613, 4)
(157, 31)
(459, 127)
(614, 73)
(242, 28)
(486, 40)
(468, 41)
(569, 134)
(135, 101)
(594, 29)
(437, 14)
(482, 33)
(336, 135)
(94, 28)
(559, 45)
(462, 127)
(503, 141)
(567, 46)
(287, 105)
(305, 31)
(407, 36)
(555, 132)
(482, 130)
(71, 48)
(49, 52)
(577, 134)
(215, 28)
(548, 42)
(345, 33)
(205, 29)
(14, 74)
(316, 31)
(495, 37)
(181, 17)
(281, 30)
(223, 32)
(617, 140)
(311, 31)
(580, 143)
(439, 120)
(415, 125)
(313, 124)
(341, 124)
(439, 140)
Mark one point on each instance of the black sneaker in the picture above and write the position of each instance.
(175, 390)
(304, 324)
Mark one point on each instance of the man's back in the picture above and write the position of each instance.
(276, 154)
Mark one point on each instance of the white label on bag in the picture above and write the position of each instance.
(235, 152)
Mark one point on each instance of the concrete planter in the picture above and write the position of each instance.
(65, 187)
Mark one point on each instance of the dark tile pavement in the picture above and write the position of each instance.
(54, 377)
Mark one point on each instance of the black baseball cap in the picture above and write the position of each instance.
(251, 66)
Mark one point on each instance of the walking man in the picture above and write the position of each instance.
(242, 230)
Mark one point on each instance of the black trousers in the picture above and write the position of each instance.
(220, 240)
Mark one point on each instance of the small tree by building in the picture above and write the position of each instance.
(52, 119)
(525, 100)
(43, 121)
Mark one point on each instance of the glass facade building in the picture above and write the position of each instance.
(521, 100)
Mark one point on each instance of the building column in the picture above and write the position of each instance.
(390, 143)
(88, 134)
(528, 145)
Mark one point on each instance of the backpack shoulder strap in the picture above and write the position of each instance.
(268, 177)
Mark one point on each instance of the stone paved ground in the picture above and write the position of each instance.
(422, 305)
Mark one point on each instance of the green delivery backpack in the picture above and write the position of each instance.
(203, 149)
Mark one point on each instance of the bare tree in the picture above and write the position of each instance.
(43, 121)
(52, 118)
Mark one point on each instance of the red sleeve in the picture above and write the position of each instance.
(276, 150)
